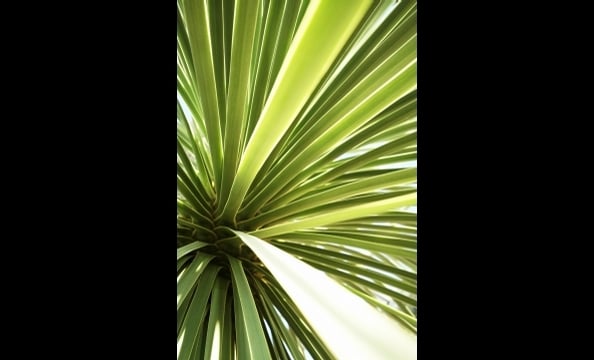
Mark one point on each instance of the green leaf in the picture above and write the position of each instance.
(336, 216)
(296, 124)
(203, 62)
(284, 345)
(188, 279)
(189, 334)
(350, 327)
(346, 118)
(216, 320)
(402, 316)
(228, 340)
(319, 38)
(295, 319)
(251, 343)
(244, 26)
(323, 238)
(342, 168)
(189, 248)
(323, 197)
(354, 265)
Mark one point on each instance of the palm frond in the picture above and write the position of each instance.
(296, 173)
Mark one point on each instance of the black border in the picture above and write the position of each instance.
(476, 242)
(92, 155)
(454, 249)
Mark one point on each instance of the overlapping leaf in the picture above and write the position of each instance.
(296, 129)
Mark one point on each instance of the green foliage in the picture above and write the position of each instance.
(296, 128)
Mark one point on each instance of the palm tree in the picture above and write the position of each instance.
(296, 173)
